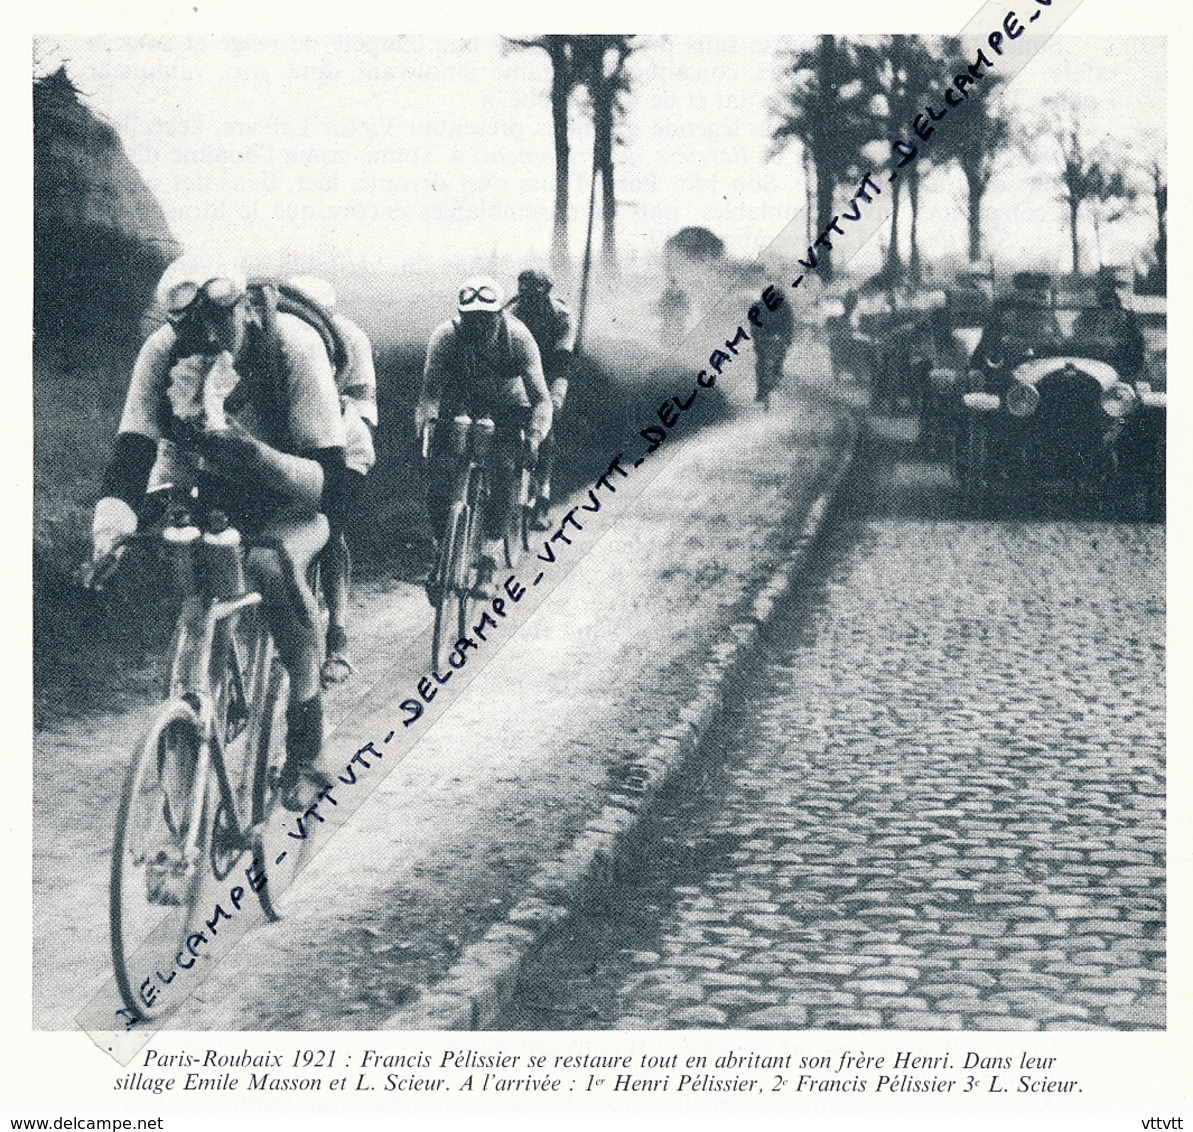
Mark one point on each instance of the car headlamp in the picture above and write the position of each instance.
(1021, 399)
(1118, 399)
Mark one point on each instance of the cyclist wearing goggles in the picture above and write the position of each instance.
(256, 426)
(483, 363)
(550, 321)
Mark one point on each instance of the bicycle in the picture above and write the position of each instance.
(452, 583)
(204, 781)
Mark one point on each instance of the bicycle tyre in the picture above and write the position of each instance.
(269, 755)
(467, 558)
(451, 572)
(144, 814)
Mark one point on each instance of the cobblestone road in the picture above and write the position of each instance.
(939, 804)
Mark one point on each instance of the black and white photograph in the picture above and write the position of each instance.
(631, 545)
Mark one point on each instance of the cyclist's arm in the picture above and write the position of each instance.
(437, 369)
(127, 474)
(309, 473)
(561, 363)
(528, 362)
(303, 479)
(566, 342)
(358, 381)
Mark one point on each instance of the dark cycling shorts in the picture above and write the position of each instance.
(343, 509)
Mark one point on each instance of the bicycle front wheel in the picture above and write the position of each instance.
(154, 880)
(452, 572)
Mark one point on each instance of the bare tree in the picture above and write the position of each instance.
(823, 109)
(561, 51)
(1149, 175)
(601, 68)
(904, 72)
(976, 140)
(1109, 198)
(1088, 176)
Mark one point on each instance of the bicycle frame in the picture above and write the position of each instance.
(190, 679)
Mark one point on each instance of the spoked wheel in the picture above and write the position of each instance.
(275, 855)
(154, 884)
(240, 687)
(517, 535)
(451, 573)
(467, 559)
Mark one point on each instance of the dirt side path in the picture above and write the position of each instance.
(519, 763)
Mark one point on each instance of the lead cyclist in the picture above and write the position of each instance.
(256, 426)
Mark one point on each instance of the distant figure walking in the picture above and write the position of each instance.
(772, 340)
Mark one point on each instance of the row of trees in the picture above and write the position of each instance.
(593, 67)
(844, 101)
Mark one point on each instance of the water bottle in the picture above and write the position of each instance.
(181, 540)
(461, 426)
(223, 566)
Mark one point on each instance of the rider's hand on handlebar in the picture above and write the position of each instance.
(424, 413)
(114, 522)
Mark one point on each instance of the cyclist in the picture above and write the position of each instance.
(356, 382)
(772, 340)
(550, 321)
(256, 425)
(482, 363)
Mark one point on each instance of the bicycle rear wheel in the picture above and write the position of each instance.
(452, 572)
(153, 884)
(269, 751)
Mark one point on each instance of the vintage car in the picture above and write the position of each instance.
(1055, 396)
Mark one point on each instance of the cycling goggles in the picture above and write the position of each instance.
(183, 299)
(478, 298)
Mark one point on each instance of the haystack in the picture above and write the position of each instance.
(100, 239)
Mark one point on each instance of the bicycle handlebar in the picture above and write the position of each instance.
(526, 447)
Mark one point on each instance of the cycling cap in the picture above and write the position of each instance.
(479, 293)
(221, 284)
(531, 280)
(319, 291)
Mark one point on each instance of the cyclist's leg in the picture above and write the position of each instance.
(279, 568)
(336, 576)
(542, 476)
(503, 499)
